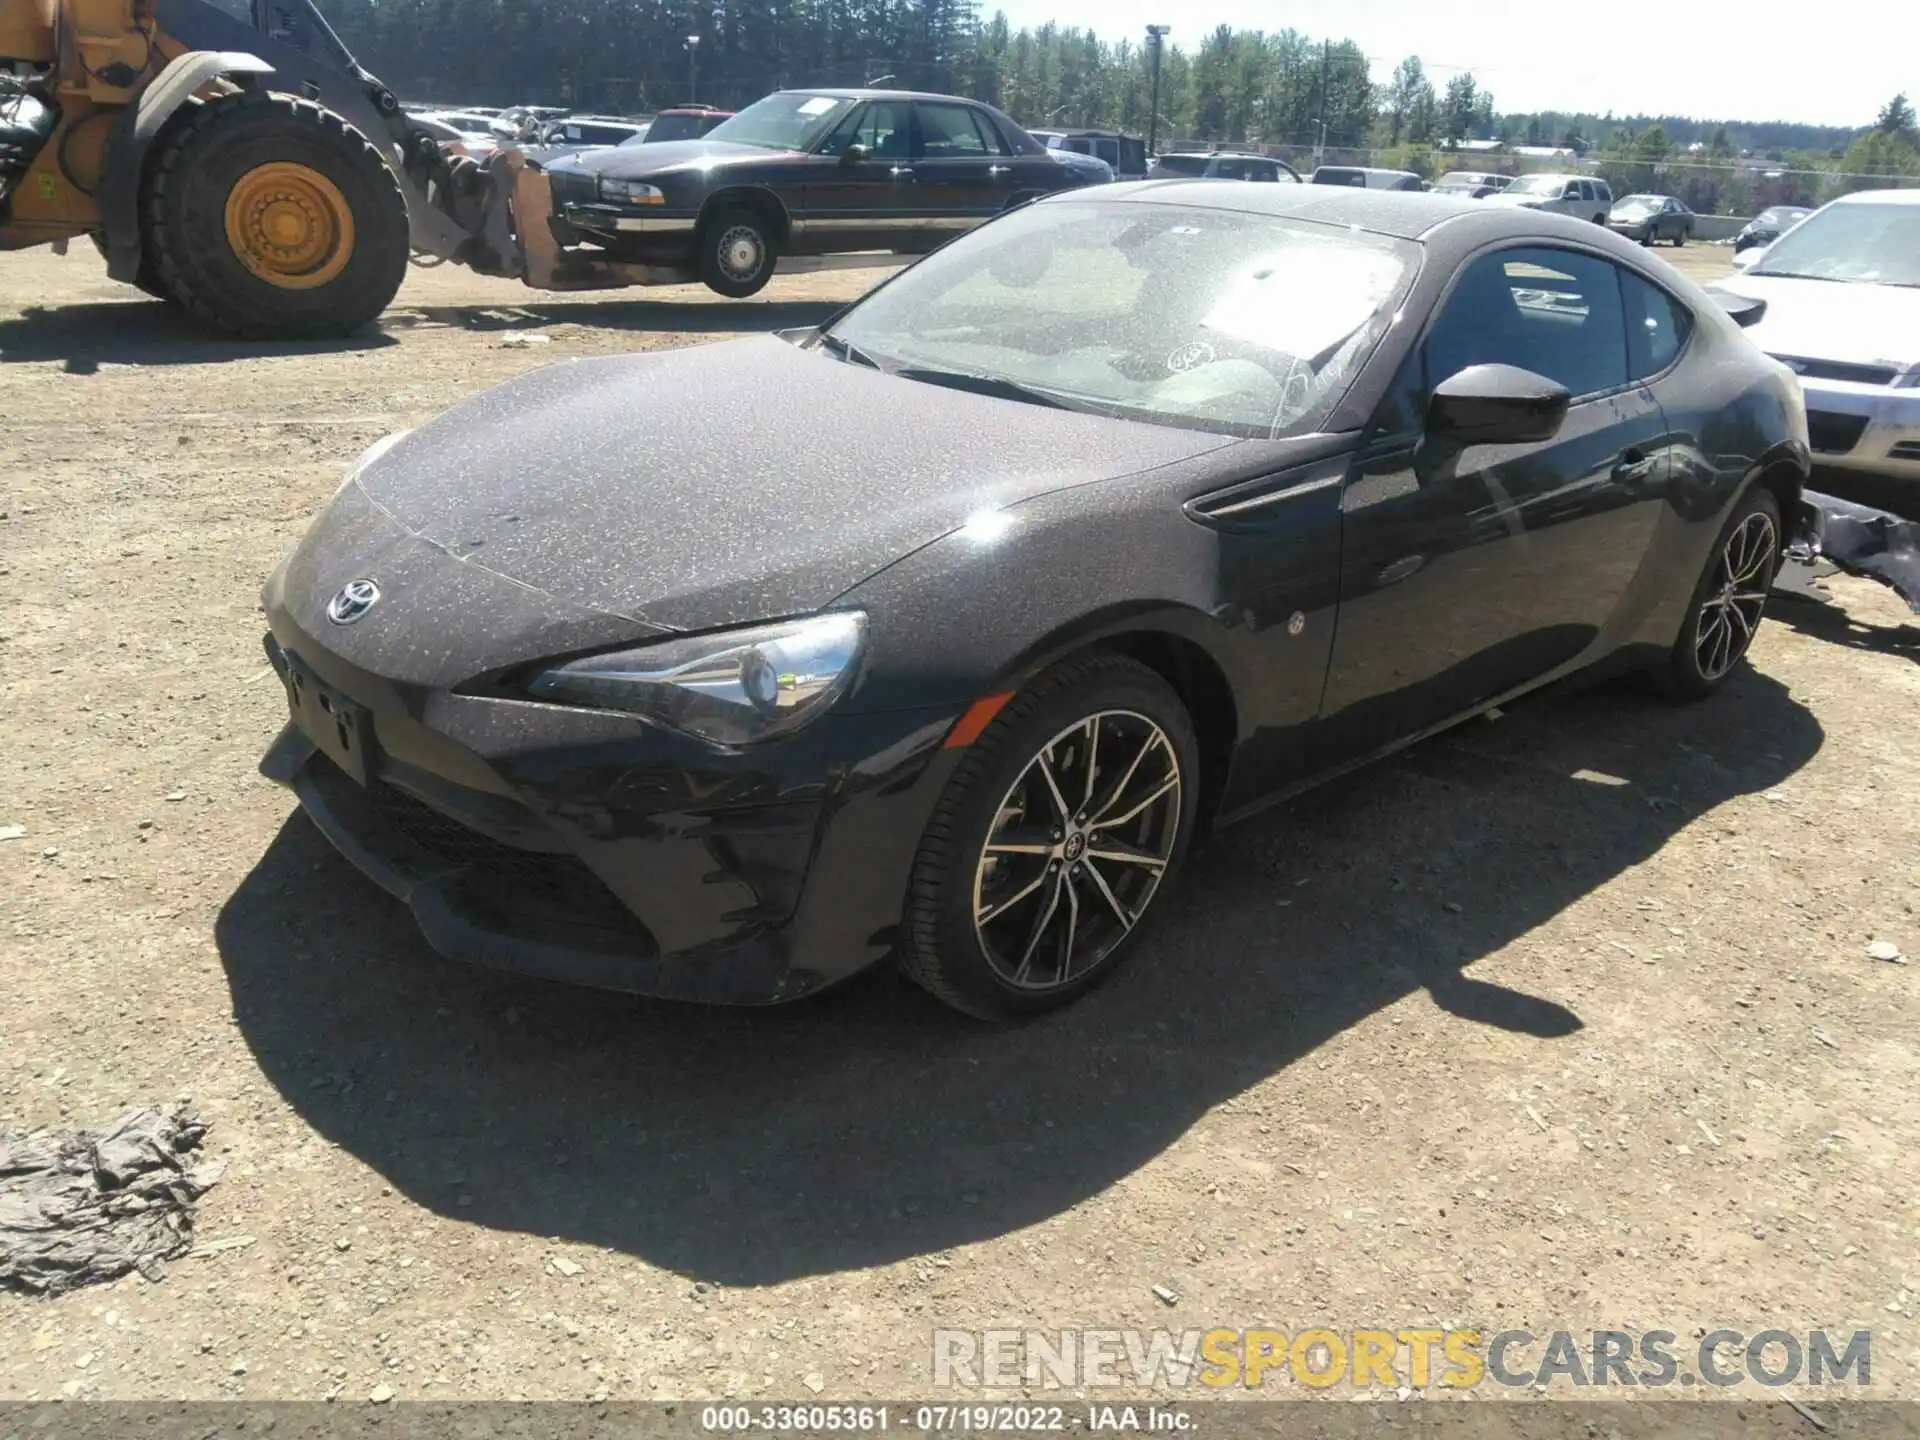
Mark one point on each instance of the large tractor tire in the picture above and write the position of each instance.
(273, 218)
(148, 279)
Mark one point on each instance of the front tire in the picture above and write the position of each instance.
(1728, 602)
(737, 252)
(271, 217)
(1060, 831)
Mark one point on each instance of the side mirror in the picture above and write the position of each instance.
(1497, 405)
(854, 154)
(1749, 257)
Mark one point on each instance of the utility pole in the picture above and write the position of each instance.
(693, 69)
(1157, 38)
(1326, 60)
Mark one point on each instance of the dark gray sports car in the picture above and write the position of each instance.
(937, 634)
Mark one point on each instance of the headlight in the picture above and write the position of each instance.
(631, 192)
(736, 687)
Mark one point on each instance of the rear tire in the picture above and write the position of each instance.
(271, 217)
(1728, 601)
(1680, 239)
(1016, 908)
(737, 252)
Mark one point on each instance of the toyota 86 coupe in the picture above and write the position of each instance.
(937, 633)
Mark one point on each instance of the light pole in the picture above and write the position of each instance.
(1320, 150)
(693, 68)
(1157, 38)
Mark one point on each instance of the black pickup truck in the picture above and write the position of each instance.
(808, 172)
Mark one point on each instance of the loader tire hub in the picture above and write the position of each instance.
(290, 226)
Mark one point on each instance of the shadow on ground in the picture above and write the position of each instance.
(85, 337)
(672, 317)
(148, 332)
(870, 1125)
(1826, 620)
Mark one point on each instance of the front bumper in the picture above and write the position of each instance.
(522, 839)
(602, 219)
(1868, 429)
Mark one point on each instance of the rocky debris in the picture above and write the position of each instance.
(83, 1207)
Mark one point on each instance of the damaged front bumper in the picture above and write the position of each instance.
(1861, 541)
(522, 838)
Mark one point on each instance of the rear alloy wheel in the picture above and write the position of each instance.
(1729, 600)
(1061, 828)
(737, 253)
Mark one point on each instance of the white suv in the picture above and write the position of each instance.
(1574, 195)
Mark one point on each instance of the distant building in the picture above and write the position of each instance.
(1544, 152)
(1477, 147)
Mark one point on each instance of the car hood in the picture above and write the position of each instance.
(1527, 201)
(726, 483)
(635, 162)
(1822, 320)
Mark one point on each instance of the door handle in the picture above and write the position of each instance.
(901, 172)
(1635, 465)
(997, 169)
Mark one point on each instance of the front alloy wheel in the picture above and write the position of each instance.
(1077, 850)
(1062, 825)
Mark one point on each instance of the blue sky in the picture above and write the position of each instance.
(1761, 60)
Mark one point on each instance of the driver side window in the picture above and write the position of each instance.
(1554, 312)
(880, 126)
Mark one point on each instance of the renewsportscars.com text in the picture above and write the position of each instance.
(1418, 1358)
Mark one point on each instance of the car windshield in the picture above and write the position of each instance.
(780, 122)
(1780, 216)
(1537, 185)
(1865, 243)
(1250, 325)
(1638, 204)
(1182, 164)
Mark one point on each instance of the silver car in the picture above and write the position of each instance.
(1578, 196)
(1843, 310)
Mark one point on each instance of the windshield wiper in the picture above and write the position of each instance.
(992, 385)
(848, 351)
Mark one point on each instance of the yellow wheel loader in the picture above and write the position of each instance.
(231, 156)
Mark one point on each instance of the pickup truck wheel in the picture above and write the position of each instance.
(737, 252)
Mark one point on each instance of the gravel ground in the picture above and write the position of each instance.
(1564, 1020)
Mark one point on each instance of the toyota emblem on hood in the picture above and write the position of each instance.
(355, 599)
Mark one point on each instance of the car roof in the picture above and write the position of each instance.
(860, 94)
(1872, 197)
(1402, 214)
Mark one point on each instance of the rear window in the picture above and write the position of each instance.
(1182, 164)
(681, 127)
(1334, 175)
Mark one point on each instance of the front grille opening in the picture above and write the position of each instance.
(1832, 434)
(545, 880)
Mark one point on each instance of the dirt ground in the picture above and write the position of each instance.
(1564, 1020)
